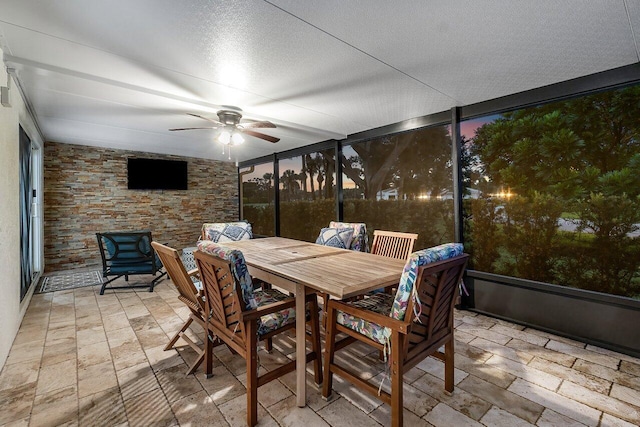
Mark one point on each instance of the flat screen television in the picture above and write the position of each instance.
(156, 174)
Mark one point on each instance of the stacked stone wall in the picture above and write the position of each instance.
(86, 192)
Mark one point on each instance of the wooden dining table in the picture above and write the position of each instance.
(302, 267)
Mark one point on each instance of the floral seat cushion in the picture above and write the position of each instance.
(360, 241)
(252, 298)
(273, 321)
(396, 307)
(378, 303)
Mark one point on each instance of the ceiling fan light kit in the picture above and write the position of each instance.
(231, 138)
(231, 130)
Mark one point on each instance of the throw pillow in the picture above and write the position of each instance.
(335, 237)
(228, 231)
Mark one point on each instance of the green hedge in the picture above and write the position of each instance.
(432, 220)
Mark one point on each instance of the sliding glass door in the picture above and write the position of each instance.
(26, 229)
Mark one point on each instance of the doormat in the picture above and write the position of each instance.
(69, 281)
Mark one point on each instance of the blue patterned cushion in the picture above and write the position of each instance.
(360, 241)
(187, 259)
(410, 273)
(221, 232)
(335, 237)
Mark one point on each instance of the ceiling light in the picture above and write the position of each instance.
(236, 138)
(224, 137)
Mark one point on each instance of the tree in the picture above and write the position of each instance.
(311, 168)
(289, 180)
(414, 162)
(583, 153)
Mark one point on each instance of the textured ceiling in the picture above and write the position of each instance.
(121, 73)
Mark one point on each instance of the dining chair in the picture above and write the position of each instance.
(241, 316)
(414, 324)
(223, 232)
(393, 244)
(359, 241)
(186, 282)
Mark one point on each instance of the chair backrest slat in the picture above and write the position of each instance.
(393, 244)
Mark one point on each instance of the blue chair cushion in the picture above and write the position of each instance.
(335, 237)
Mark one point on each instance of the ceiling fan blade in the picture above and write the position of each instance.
(205, 118)
(212, 127)
(260, 135)
(263, 124)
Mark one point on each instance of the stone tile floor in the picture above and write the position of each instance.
(85, 359)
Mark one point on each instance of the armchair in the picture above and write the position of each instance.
(240, 316)
(127, 254)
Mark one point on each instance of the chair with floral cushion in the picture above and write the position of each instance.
(344, 235)
(409, 327)
(223, 232)
(240, 316)
(189, 294)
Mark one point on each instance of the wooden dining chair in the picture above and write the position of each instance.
(410, 326)
(393, 244)
(240, 316)
(189, 295)
(359, 243)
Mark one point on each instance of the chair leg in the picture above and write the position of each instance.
(448, 366)
(268, 345)
(195, 364)
(104, 284)
(208, 357)
(252, 373)
(315, 336)
(325, 301)
(396, 379)
(176, 337)
(329, 349)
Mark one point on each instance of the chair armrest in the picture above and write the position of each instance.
(267, 309)
(401, 326)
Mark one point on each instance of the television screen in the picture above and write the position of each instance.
(155, 174)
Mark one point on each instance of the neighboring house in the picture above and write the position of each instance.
(388, 194)
(392, 194)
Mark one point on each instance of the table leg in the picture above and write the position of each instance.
(301, 353)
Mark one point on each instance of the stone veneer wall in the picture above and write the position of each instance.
(86, 192)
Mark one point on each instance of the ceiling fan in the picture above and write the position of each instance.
(229, 122)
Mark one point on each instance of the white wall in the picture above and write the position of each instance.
(11, 309)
